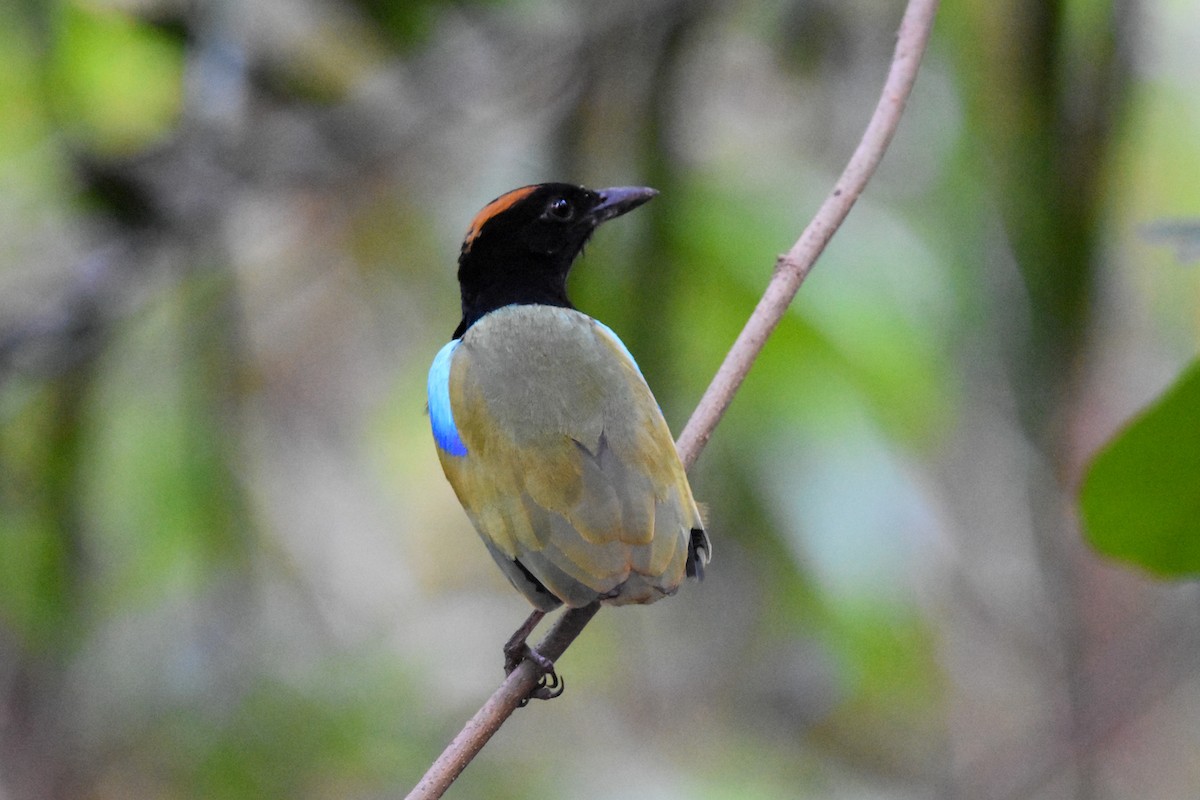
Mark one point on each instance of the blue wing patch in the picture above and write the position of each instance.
(617, 339)
(445, 432)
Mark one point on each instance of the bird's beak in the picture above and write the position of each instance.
(616, 201)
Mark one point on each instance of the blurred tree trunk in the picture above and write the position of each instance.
(1047, 84)
(1046, 92)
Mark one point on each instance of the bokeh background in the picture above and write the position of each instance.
(230, 566)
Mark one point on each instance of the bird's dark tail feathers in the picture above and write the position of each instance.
(699, 553)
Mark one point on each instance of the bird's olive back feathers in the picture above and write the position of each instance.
(572, 471)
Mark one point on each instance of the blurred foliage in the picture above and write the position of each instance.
(113, 82)
(230, 566)
(1141, 495)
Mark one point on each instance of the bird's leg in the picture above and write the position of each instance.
(517, 649)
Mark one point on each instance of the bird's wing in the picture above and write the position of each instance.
(567, 468)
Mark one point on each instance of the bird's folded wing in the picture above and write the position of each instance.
(570, 467)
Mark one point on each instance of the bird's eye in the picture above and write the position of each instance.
(560, 209)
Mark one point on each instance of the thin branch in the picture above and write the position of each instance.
(790, 271)
(794, 266)
(503, 702)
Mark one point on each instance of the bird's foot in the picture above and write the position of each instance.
(549, 685)
(517, 649)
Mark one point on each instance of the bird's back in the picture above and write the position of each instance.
(570, 473)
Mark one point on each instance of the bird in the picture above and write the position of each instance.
(545, 426)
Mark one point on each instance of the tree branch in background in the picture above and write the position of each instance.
(790, 271)
(793, 267)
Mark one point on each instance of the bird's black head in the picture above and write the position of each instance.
(520, 247)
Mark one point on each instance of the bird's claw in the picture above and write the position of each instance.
(549, 685)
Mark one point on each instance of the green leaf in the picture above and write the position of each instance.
(1141, 495)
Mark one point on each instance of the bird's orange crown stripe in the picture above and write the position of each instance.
(497, 206)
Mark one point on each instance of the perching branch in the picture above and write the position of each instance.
(790, 271)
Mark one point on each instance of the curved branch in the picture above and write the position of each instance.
(793, 267)
(790, 271)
